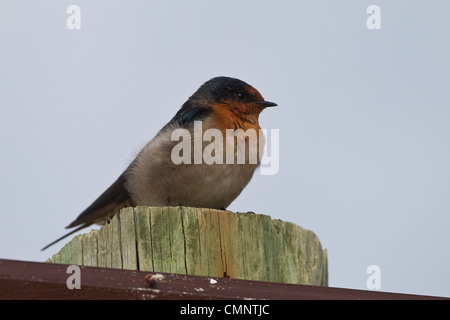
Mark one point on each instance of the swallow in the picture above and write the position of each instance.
(153, 179)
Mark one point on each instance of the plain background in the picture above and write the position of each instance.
(363, 116)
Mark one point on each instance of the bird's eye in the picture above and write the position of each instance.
(239, 96)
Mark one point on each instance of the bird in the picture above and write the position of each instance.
(154, 179)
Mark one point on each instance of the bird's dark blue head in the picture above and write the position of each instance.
(229, 90)
(221, 92)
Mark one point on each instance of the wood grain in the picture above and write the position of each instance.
(204, 242)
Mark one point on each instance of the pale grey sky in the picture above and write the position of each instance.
(363, 118)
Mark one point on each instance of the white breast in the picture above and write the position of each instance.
(154, 180)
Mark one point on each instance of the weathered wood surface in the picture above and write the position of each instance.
(203, 242)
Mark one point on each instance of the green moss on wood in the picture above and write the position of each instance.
(205, 242)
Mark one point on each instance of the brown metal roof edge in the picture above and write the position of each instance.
(36, 280)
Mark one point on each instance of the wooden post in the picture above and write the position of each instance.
(204, 242)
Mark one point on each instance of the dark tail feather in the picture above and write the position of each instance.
(102, 209)
(66, 235)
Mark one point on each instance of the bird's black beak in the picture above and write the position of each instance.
(266, 104)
